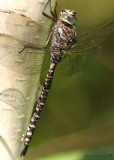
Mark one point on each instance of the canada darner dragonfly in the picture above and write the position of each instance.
(63, 38)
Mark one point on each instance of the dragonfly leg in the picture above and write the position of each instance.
(55, 10)
(54, 14)
(22, 49)
(33, 47)
(54, 18)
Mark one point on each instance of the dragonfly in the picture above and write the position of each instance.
(65, 48)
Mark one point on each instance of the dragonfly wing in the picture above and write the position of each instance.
(27, 62)
(73, 63)
(27, 29)
(85, 50)
(93, 39)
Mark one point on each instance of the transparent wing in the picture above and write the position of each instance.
(33, 34)
(27, 62)
(26, 28)
(73, 63)
(93, 39)
(85, 50)
(32, 61)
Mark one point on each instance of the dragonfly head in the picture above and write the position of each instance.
(68, 16)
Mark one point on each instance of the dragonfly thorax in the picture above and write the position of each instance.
(63, 39)
(68, 16)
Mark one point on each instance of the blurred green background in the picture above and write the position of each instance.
(78, 119)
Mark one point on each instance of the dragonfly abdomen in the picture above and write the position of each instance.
(39, 107)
